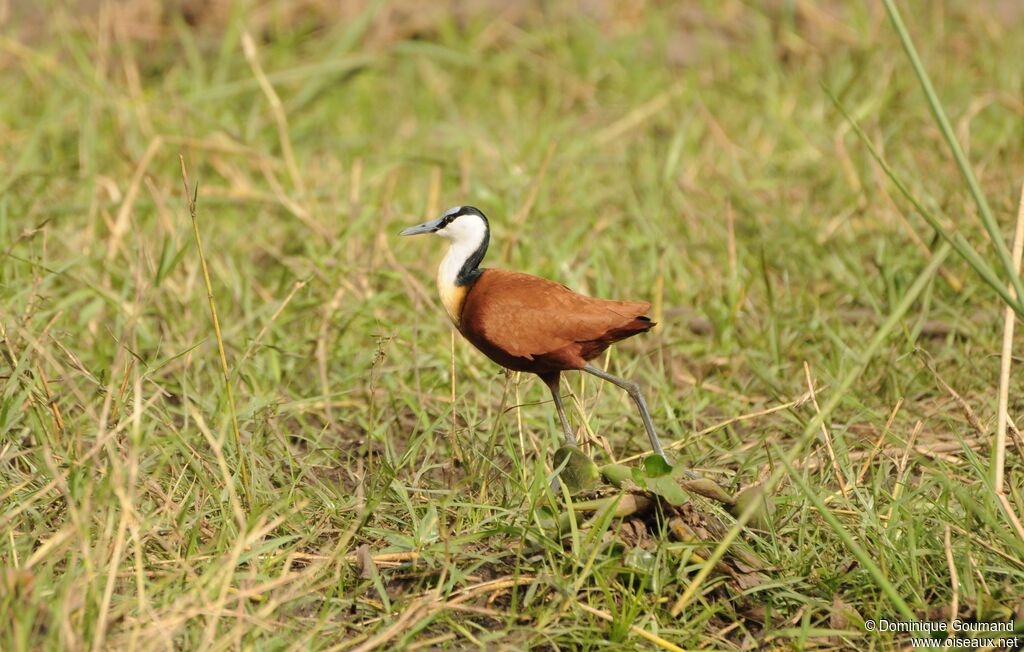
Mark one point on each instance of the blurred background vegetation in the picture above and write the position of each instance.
(686, 153)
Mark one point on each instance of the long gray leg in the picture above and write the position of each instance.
(552, 383)
(634, 392)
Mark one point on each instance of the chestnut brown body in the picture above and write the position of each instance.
(526, 323)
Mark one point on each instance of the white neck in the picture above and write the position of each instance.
(467, 235)
(447, 276)
(458, 253)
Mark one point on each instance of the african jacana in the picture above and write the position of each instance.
(526, 323)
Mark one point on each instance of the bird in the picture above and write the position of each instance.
(530, 324)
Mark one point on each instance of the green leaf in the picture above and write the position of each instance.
(666, 487)
(656, 465)
(656, 476)
(617, 474)
(580, 473)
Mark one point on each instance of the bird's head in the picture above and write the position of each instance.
(467, 230)
(463, 225)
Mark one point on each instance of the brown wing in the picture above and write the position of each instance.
(527, 316)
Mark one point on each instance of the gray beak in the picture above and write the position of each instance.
(426, 227)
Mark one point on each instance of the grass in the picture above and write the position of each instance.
(699, 157)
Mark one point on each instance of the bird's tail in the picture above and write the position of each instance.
(640, 324)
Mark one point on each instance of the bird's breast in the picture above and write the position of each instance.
(453, 297)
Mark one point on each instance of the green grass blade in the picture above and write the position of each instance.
(987, 218)
(958, 242)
